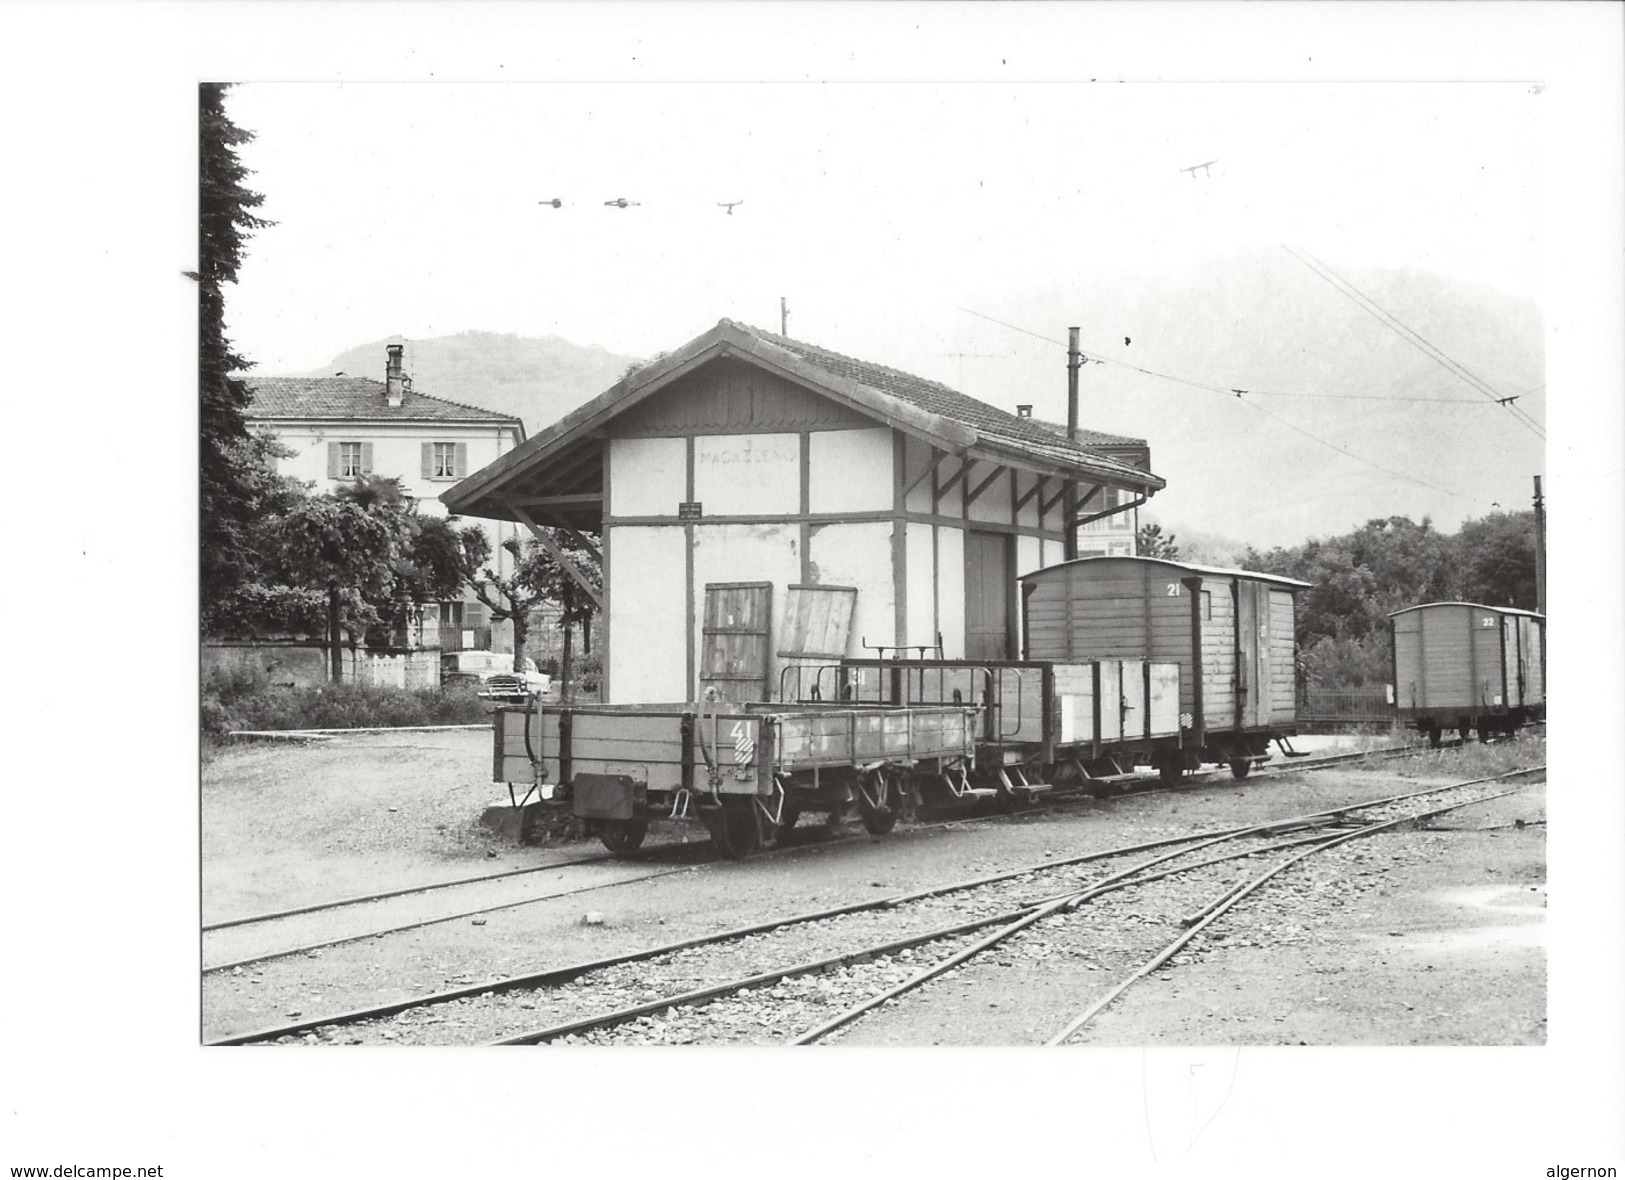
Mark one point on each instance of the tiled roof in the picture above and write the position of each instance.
(353, 397)
(936, 398)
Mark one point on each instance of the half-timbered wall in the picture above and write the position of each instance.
(787, 486)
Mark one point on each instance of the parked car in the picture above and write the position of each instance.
(493, 672)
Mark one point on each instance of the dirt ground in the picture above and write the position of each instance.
(1439, 940)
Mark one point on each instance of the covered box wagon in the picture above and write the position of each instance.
(1231, 633)
(1465, 666)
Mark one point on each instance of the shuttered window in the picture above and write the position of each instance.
(445, 460)
(348, 460)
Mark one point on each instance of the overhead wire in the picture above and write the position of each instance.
(1230, 391)
(1381, 314)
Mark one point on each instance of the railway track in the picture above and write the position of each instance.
(1004, 903)
(234, 955)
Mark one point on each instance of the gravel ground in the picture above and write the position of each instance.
(702, 898)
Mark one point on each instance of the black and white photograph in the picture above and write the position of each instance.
(938, 533)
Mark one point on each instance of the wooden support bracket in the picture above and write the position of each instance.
(972, 493)
(559, 555)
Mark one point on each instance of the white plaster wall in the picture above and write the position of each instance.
(951, 590)
(916, 459)
(993, 505)
(922, 582)
(742, 553)
(851, 470)
(860, 555)
(1029, 557)
(747, 474)
(953, 502)
(646, 630)
(1052, 553)
(1029, 511)
(647, 476)
(397, 452)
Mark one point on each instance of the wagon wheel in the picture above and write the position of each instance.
(1463, 729)
(1241, 767)
(1172, 771)
(788, 816)
(879, 802)
(734, 831)
(622, 836)
(1434, 737)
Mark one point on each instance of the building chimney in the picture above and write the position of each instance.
(395, 382)
(1024, 411)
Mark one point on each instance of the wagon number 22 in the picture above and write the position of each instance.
(1173, 589)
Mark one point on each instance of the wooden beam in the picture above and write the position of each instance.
(559, 555)
(930, 470)
(958, 477)
(576, 535)
(573, 500)
(1035, 490)
(972, 493)
(1045, 506)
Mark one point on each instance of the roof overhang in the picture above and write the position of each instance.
(557, 475)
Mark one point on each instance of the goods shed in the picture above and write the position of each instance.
(762, 502)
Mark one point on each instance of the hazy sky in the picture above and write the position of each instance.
(412, 208)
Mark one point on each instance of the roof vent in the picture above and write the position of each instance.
(1024, 411)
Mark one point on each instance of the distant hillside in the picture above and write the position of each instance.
(538, 379)
(1397, 434)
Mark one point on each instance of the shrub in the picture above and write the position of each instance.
(246, 700)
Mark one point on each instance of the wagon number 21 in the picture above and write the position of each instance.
(1173, 589)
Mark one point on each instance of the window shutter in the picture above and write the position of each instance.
(462, 460)
(332, 460)
(428, 459)
(366, 458)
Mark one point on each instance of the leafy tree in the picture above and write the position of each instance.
(537, 577)
(348, 545)
(235, 467)
(576, 606)
(1361, 577)
(1149, 542)
(1496, 555)
(509, 597)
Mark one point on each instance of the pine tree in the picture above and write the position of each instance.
(235, 473)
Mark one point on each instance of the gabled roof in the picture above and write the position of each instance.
(559, 460)
(300, 398)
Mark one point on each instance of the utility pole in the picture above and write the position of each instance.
(1074, 361)
(1540, 549)
(784, 317)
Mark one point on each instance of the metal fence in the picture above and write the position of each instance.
(1345, 706)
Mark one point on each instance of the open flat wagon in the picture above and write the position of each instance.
(1042, 723)
(746, 771)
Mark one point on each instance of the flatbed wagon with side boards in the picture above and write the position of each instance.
(746, 771)
(1043, 723)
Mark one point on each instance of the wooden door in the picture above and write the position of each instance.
(988, 580)
(1136, 721)
(1110, 700)
(813, 635)
(1252, 654)
(734, 640)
